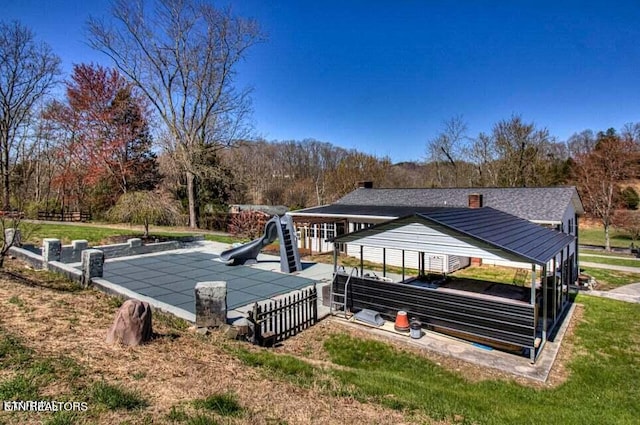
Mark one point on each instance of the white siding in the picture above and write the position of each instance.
(314, 238)
(418, 237)
(438, 263)
(456, 263)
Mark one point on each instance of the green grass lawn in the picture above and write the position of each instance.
(602, 386)
(96, 235)
(610, 279)
(606, 254)
(34, 233)
(595, 236)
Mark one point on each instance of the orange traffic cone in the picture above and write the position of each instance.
(402, 322)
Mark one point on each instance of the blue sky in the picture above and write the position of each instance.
(381, 76)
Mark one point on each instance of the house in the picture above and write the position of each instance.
(558, 208)
(267, 210)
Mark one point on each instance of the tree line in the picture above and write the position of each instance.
(168, 120)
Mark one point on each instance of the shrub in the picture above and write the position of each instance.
(630, 198)
(247, 224)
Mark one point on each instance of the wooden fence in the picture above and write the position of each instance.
(64, 216)
(275, 321)
(12, 214)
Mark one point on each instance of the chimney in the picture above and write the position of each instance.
(365, 185)
(475, 200)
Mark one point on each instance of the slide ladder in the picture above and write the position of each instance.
(289, 254)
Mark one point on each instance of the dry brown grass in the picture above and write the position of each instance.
(177, 367)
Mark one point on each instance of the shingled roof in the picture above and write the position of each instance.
(547, 204)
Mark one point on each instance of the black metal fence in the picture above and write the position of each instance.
(493, 320)
(275, 321)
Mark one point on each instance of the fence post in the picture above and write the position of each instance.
(51, 249)
(12, 236)
(315, 304)
(257, 326)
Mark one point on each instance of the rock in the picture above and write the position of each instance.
(132, 324)
(202, 330)
(229, 332)
(242, 327)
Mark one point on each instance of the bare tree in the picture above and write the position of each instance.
(28, 70)
(183, 57)
(483, 154)
(581, 143)
(632, 131)
(598, 174)
(520, 150)
(446, 149)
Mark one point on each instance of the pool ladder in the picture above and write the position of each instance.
(337, 299)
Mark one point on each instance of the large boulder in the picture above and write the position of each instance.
(132, 324)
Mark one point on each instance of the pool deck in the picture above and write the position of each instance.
(167, 279)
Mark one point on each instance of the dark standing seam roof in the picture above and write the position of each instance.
(531, 242)
(530, 203)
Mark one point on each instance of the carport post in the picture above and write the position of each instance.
(384, 262)
(532, 354)
(403, 265)
(361, 260)
(564, 279)
(555, 291)
(533, 284)
(335, 257)
(545, 297)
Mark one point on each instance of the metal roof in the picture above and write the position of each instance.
(547, 204)
(519, 239)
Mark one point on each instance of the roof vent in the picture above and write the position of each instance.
(365, 185)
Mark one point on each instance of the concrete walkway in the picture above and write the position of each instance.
(626, 269)
(476, 353)
(628, 293)
(582, 254)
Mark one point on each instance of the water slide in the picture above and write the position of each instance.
(250, 250)
(276, 228)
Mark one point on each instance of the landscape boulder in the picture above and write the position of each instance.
(132, 324)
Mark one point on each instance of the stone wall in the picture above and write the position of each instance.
(135, 247)
(29, 257)
(73, 253)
